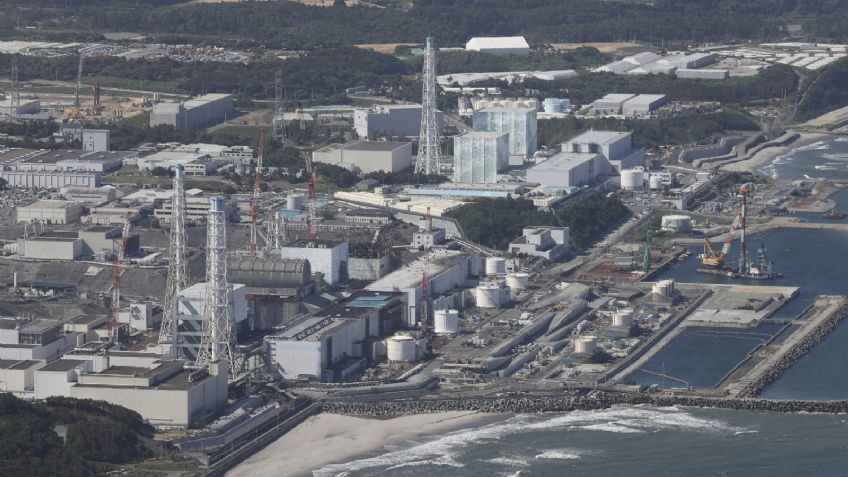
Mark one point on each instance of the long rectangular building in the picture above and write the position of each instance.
(195, 114)
(50, 180)
(367, 156)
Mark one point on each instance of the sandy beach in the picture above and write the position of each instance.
(769, 154)
(331, 438)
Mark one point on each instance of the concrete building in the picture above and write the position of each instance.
(276, 287)
(25, 106)
(367, 156)
(51, 248)
(519, 123)
(190, 310)
(50, 180)
(389, 121)
(334, 344)
(448, 271)
(49, 212)
(499, 45)
(324, 256)
(478, 156)
(108, 215)
(18, 376)
(195, 114)
(643, 104)
(369, 216)
(196, 210)
(551, 243)
(74, 160)
(565, 169)
(610, 105)
(164, 393)
(616, 147)
(428, 238)
(96, 140)
(93, 196)
(38, 339)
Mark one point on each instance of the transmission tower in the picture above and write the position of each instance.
(217, 341)
(177, 264)
(429, 155)
(257, 193)
(279, 126)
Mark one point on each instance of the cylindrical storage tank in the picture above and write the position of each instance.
(518, 281)
(663, 288)
(655, 182)
(632, 179)
(676, 223)
(401, 348)
(447, 322)
(622, 319)
(488, 296)
(552, 105)
(585, 345)
(495, 266)
(294, 202)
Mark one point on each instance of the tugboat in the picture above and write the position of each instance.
(833, 214)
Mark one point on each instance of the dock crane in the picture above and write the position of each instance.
(257, 191)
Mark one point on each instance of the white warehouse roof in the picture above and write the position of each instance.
(496, 43)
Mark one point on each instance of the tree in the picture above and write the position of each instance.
(160, 171)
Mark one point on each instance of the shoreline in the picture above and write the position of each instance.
(327, 438)
(769, 154)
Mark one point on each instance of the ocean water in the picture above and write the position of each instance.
(823, 159)
(623, 440)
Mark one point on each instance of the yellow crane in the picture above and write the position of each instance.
(713, 258)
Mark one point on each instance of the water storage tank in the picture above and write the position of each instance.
(655, 182)
(632, 179)
(489, 295)
(585, 345)
(663, 288)
(495, 266)
(622, 319)
(401, 348)
(447, 322)
(518, 281)
(294, 202)
(676, 223)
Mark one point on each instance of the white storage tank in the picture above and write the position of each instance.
(447, 322)
(401, 348)
(632, 179)
(585, 345)
(622, 319)
(294, 202)
(495, 266)
(664, 288)
(676, 223)
(655, 182)
(518, 281)
(489, 295)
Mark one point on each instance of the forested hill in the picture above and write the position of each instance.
(294, 25)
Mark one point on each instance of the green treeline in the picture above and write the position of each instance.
(452, 22)
(496, 222)
(98, 434)
(650, 133)
(827, 91)
(459, 61)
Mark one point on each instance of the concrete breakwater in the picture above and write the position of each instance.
(800, 349)
(593, 401)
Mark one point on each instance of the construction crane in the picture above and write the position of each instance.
(311, 180)
(117, 272)
(716, 259)
(95, 92)
(257, 191)
(77, 113)
(646, 258)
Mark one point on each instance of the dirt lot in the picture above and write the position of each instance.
(385, 48)
(610, 47)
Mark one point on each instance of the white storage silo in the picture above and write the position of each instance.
(585, 345)
(622, 318)
(632, 179)
(676, 223)
(655, 182)
(663, 288)
(401, 348)
(294, 202)
(518, 281)
(447, 322)
(489, 295)
(495, 266)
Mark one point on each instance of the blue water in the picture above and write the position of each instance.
(801, 162)
(632, 441)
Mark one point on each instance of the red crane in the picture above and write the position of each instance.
(117, 272)
(257, 190)
(311, 180)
